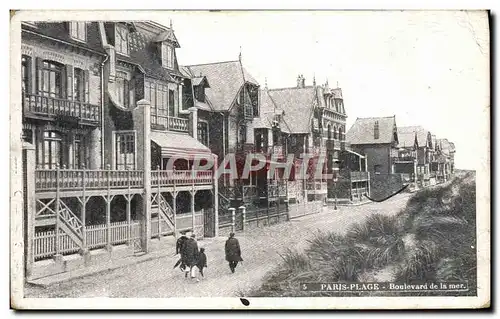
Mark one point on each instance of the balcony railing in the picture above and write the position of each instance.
(47, 180)
(34, 104)
(180, 178)
(359, 176)
(170, 123)
(403, 159)
(316, 186)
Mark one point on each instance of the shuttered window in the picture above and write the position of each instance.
(121, 39)
(122, 87)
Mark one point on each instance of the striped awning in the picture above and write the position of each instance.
(181, 145)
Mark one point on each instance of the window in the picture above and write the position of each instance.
(79, 151)
(78, 85)
(122, 87)
(50, 79)
(25, 73)
(329, 132)
(276, 138)
(52, 150)
(171, 103)
(27, 135)
(78, 30)
(167, 55)
(376, 169)
(203, 133)
(156, 93)
(125, 150)
(340, 133)
(199, 93)
(121, 39)
(376, 133)
(242, 134)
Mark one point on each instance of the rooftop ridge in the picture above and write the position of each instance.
(375, 117)
(291, 87)
(210, 63)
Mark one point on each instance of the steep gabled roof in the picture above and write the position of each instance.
(268, 111)
(297, 103)
(226, 80)
(362, 131)
(445, 146)
(168, 36)
(405, 132)
(406, 138)
(60, 31)
(144, 52)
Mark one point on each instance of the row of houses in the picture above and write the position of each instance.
(107, 108)
(399, 156)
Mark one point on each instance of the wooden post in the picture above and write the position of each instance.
(216, 201)
(30, 206)
(108, 210)
(144, 107)
(193, 193)
(335, 188)
(244, 216)
(84, 213)
(158, 202)
(174, 203)
(233, 216)
(58, 207)
(129, 217)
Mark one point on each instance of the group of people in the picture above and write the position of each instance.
(193, 258)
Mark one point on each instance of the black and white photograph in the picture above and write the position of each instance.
(264, 158)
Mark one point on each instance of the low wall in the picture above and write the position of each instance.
(384, 185)
(303, 209)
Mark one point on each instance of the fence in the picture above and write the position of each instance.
(44, 242)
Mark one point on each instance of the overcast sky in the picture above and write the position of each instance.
(427, 68)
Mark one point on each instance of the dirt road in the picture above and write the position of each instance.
(260, 247)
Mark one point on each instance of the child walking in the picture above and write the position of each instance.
(202, 261)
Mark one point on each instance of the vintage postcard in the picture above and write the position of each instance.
(250, 159)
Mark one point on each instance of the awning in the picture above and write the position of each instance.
(357, 154)
(181, 145)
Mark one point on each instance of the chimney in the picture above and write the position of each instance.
(299, 80)
(303, 81)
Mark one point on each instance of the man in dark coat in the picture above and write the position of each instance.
(179, 249)
(191, 254)
(233, 252)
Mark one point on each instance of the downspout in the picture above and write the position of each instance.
(102, 110)
(223, 141)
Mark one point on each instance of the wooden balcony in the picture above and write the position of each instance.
(48, 180)
(50, 108)
(72, 180)
(169, 123)
(359, 176)
(181, 178)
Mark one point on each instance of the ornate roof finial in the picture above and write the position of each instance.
(337, 84)
(265, 84)
(240, 54)
(171, 26)
(314, 79)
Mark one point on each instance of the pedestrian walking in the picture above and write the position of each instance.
(180, 249)
(202, 261)
(191, 253)
(233, 252)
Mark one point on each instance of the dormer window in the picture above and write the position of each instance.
(78, 30)
(121, 39)
(199, 93)
(167, 55)
(376, 132)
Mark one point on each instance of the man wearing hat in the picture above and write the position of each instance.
(233, 252)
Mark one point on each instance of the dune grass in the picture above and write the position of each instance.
(432, 239)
